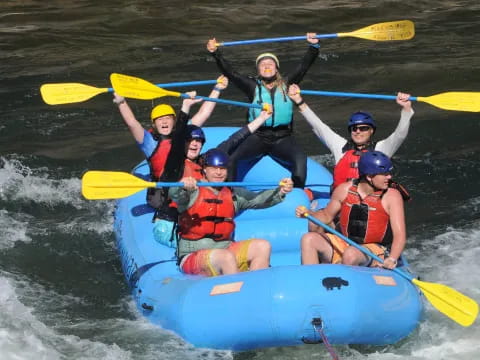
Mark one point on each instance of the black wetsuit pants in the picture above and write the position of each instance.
(280, 145)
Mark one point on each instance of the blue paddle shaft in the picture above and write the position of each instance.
(353, 243)
(215, 184)
(277, 39)
(228, 183)
(225, 101)
(355, 95)
(183, 83)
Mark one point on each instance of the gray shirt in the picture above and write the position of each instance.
(335, 142)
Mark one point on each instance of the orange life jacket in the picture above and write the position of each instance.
(192, 169)
(347, 167)
(365, 221)
(211, 216)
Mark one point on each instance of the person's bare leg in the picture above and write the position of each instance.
(315, 249)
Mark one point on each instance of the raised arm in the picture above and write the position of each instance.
(327, 136)
(390, 145)
(175, 163)
(296, 76)
(207, 107)
(245, 83)
(237, 138)
(127, 114)
(259, 120)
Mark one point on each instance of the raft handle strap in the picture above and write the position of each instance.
(318, 326)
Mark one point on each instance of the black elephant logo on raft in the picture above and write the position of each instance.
(330, 282)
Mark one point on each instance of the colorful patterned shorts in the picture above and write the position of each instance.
(198, 262)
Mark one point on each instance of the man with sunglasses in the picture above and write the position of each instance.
(361, 128)
(371, 214)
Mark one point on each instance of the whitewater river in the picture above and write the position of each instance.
(62, 292)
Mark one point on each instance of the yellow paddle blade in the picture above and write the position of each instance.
(387, 31)
(67, 93)
(450, 302)
(136, 88)
(101, 185)
(459, 101)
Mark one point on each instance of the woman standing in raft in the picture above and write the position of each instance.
(275, 137)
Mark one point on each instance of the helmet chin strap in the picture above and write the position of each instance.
(369, 182)
(268, 80)
(363, 146)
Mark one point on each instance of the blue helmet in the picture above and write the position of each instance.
(361, 118)
(374, 162)
(195, 132)
(215, 157)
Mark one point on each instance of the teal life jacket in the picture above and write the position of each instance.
(281, 103)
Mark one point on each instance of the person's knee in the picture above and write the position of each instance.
(351, 257)
(308, 240)
(261, 246)
(224, 257)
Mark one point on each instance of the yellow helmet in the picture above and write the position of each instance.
(162, 110)
(267, 55)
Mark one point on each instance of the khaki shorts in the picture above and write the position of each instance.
(339, 245)
(198, 262)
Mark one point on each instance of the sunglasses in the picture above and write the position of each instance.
(362, 128)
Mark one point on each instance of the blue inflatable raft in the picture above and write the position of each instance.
(286, 304)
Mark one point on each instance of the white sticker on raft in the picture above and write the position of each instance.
(226, 288)
(384, 280)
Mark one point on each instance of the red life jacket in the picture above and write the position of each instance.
(158, 159)
(347, 167)
(211, 216)
(365, 221)
(192, 169)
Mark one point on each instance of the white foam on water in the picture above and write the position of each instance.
(101, 224)
(23, 336)
(12, 229)
(19, 183)
(24, 333)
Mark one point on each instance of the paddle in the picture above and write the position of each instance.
(98, 185)
(136, 88)
(458, 101)
(387, 31)
(448, 301)
(67, 93)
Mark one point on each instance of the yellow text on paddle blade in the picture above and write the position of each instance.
(136, 88)
(68, 93)
(387, 31)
